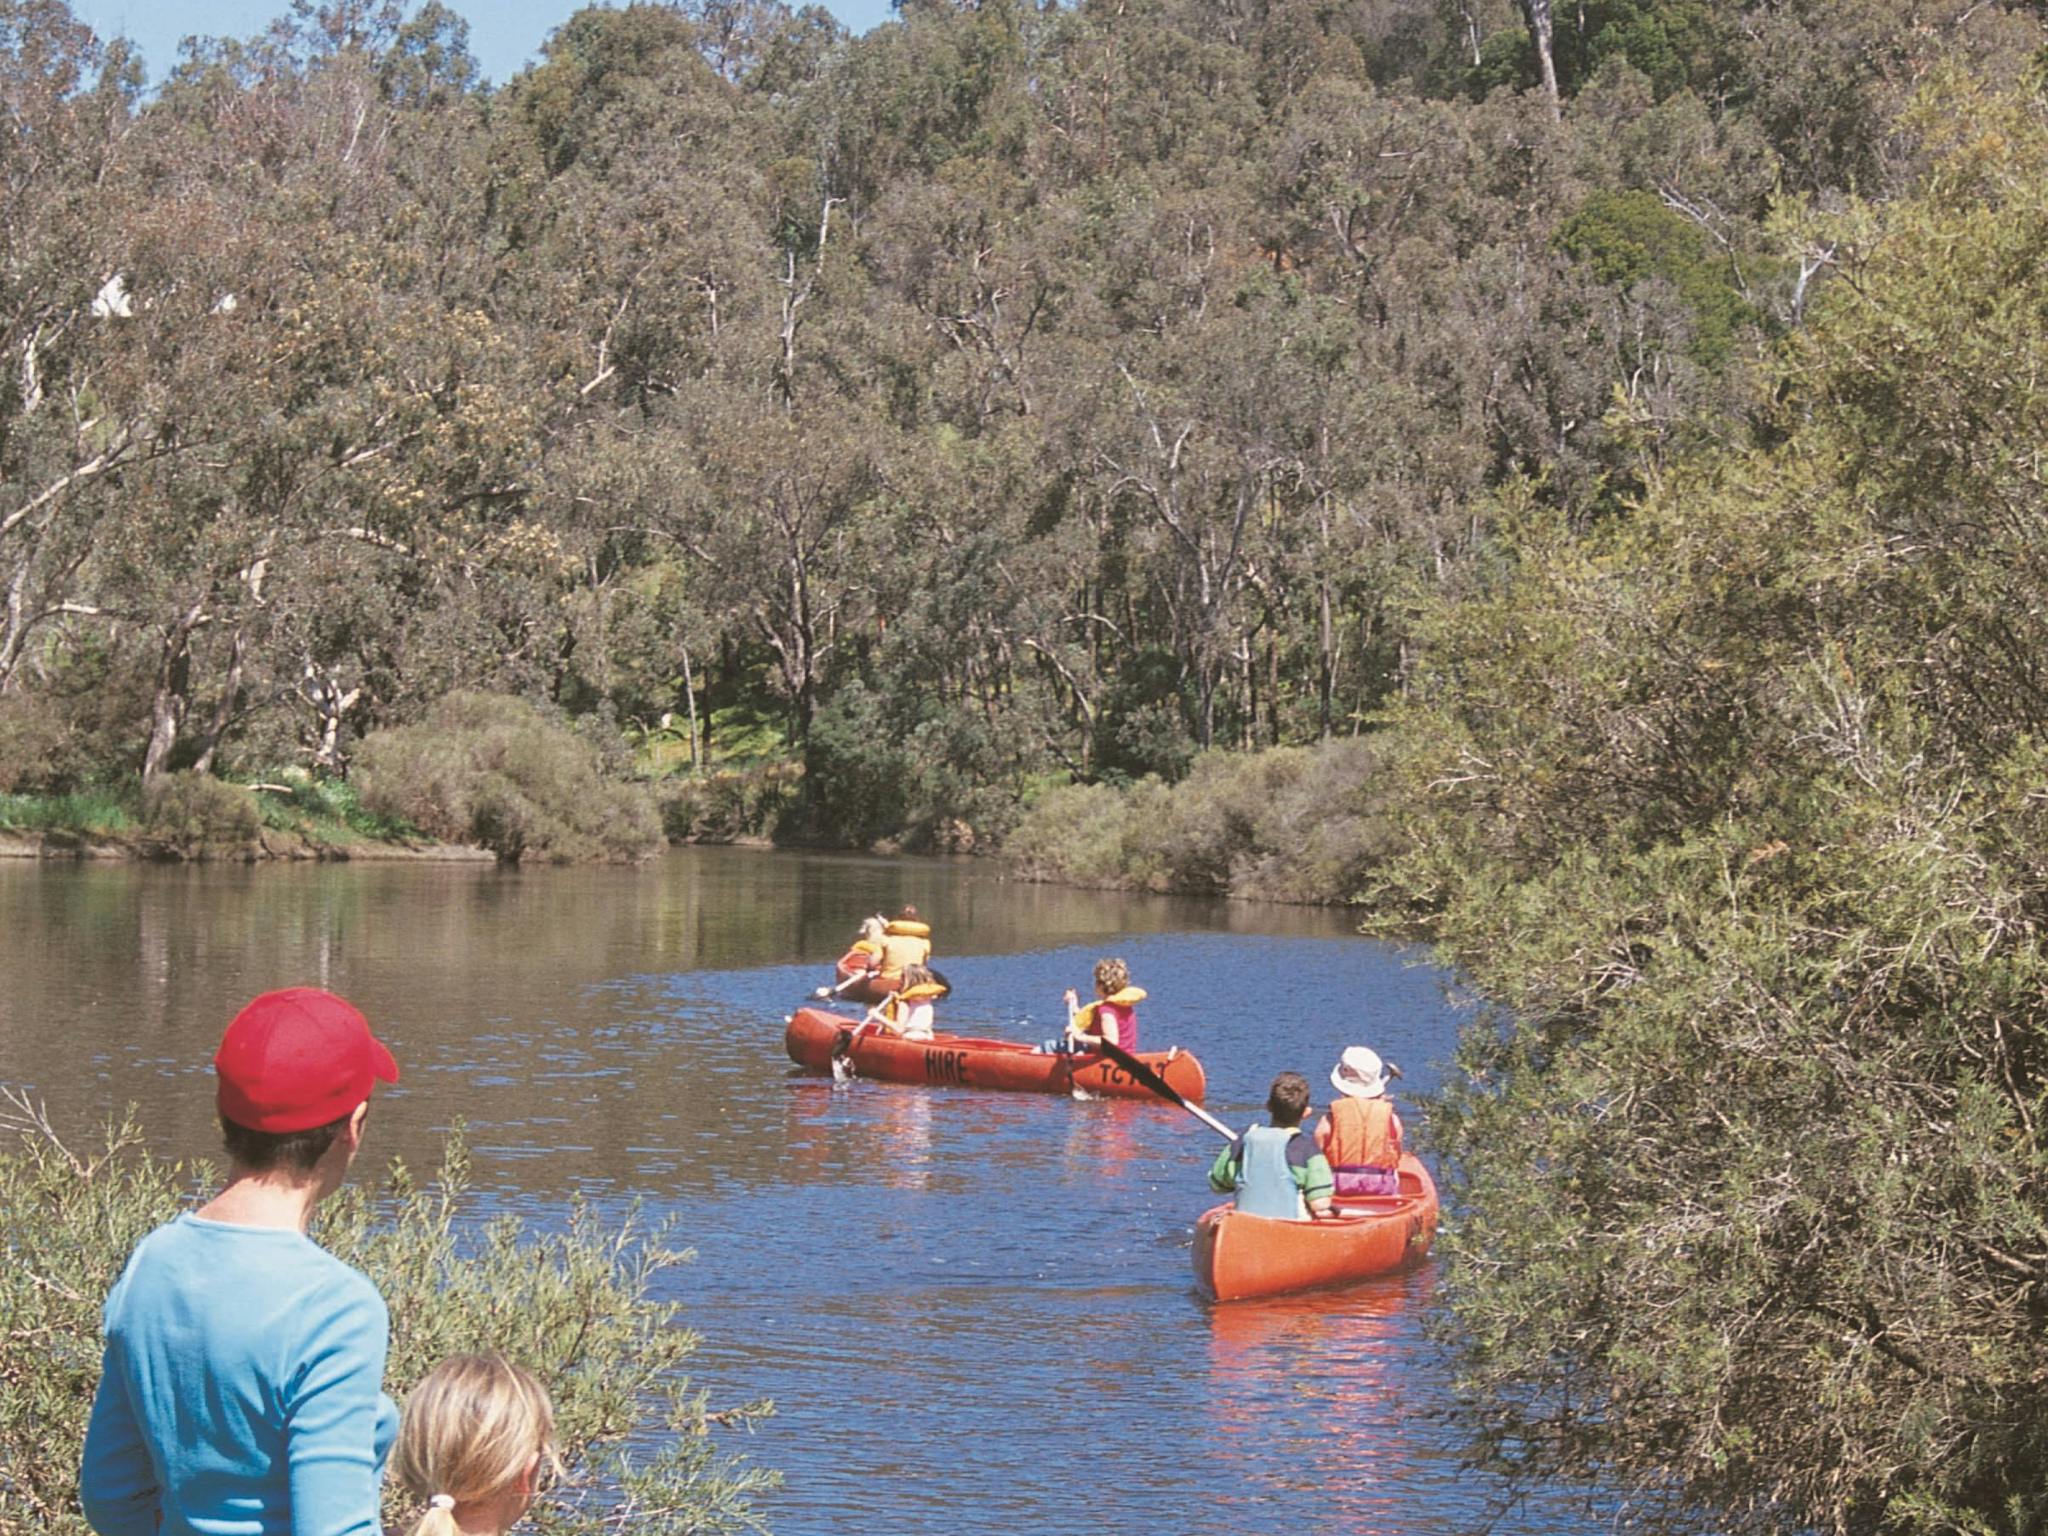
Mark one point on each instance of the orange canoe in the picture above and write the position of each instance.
(966, 1061)
(1239, 1256)
(858, 984)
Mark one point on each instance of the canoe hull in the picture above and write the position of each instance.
(870, 988)
(967, 1061)
(1238, 1257)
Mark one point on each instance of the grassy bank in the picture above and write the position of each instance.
(187, 816)
(1301, 824)
(576, 1305)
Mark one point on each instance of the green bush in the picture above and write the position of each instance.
(574, 1305)
(193, 814)
(857, 773)
(1074, 833)
(1290, 824)
(325, 810)
(40, 750)
(81, 813)
(746, 803)
(496, 771)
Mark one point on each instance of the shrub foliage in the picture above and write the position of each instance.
(575, 1305)
(1734, 809)
(498, 772)
(1289, 824)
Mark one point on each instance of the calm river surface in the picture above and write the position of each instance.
(974, 1312)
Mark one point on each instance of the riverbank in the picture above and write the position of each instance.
(268, 845)
(196, 818)
(1295, 824)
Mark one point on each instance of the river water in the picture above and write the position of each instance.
(974, 1312)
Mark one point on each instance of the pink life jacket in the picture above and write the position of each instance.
(1118, 1022)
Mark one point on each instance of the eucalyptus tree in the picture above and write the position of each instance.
(76, 406)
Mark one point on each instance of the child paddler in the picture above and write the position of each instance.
(906, 941)
(1113, 1016)
(869, 944)
(1361, 1135)
(1274, 1169)
(908, 1010)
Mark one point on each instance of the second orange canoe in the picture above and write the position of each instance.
(969, 1061)
(856, 983)
(1238, 1256)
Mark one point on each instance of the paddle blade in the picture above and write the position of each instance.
(1159, 1085)
(1143, 1073)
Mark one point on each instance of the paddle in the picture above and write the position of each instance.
(831, 992)
(1161, 1086)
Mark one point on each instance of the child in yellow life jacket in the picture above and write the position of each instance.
(905, 942)
(1113, 1016)
(908, 1010)
(870, 941)
(1361, 1135)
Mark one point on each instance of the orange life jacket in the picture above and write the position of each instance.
(1363, 1134)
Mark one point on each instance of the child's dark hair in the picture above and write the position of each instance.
(1288, 1101)
(261, 1151)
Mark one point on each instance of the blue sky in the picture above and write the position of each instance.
(503, 34)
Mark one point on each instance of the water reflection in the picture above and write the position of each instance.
(1339, 1355)
(954, 1298)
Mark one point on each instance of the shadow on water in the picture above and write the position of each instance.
(974, 1311)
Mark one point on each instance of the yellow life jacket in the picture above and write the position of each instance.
(905, 944)
(898, 1006)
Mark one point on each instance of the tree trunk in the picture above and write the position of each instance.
(173, 687)
(1538, 12)
(325, 697)
(224, 710)
(690, 696)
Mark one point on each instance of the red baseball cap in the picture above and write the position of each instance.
(297, 1058)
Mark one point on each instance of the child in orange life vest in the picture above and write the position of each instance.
(908, 1010)
(1113, 1016)
(476, 1445)
(1361, 1135)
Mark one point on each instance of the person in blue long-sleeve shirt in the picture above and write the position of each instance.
(241, 1391)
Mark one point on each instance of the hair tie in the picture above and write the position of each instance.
(441, 1501)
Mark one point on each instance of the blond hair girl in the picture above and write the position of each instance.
(477, 1437)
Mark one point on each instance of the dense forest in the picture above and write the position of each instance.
(1004, 397)
(1569, 475)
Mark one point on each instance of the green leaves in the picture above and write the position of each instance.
(1726, 804)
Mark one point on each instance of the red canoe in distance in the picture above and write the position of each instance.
(872, 986)
(969, 1061)
(1238, 1256)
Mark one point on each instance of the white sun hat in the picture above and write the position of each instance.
(1360, 1073)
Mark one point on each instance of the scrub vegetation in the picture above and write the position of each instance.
(575, 1305)
(1733, 809)
(1301, 824)
(497, 773)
